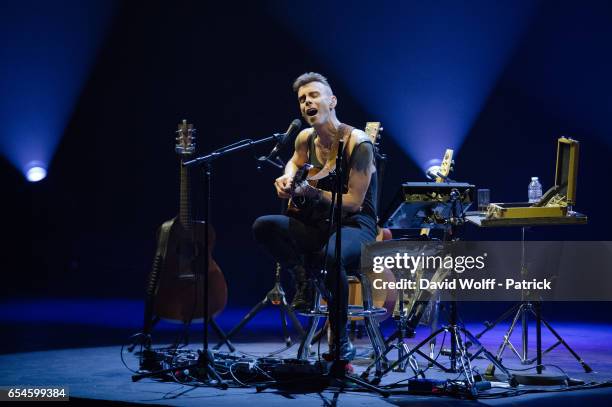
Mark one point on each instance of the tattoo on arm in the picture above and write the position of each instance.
(362, 157)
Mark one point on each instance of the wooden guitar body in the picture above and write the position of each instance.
(180, 292)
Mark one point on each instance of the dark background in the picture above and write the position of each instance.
(88, 229)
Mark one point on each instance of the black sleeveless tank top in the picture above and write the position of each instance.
(367, 216)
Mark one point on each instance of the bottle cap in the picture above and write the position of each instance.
(534, 178)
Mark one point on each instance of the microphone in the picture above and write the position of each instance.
(293, 128)
(282, 139)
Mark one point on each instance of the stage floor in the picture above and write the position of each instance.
(97, 373)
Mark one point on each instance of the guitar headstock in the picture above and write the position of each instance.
(447, 163)
(185, 144)
(373, 130)
(439, 173)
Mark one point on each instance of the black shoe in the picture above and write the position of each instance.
(303, 300)
(347, 351)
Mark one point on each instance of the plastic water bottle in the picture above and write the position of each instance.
(534, 191)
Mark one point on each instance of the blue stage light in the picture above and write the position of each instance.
(424, 69)
(47, 49)
(35, 171)
(432, 167)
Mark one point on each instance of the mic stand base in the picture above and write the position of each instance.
(337, 373)
(206, 372)
(335, 377)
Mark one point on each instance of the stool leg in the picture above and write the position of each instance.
(305, 344)
(304, 350)
(372, 325)
(378, 343)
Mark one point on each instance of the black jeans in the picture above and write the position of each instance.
(288, 240)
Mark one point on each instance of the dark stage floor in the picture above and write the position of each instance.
(96, 372)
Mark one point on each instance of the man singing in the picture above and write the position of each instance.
(290, 238)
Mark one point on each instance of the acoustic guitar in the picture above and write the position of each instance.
(180, 254)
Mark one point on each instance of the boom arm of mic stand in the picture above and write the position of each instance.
(229, 149)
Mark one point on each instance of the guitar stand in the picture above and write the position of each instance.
(276, 296)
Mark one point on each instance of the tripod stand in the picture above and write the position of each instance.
(521, 311)
(276, 296)
(460, 359)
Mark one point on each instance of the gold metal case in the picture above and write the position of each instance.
(555, 202)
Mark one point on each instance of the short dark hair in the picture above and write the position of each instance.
(308, 77)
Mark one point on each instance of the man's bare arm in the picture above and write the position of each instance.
(300, 153)
(298, 159)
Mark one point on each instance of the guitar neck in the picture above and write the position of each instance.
(445, 169)
(185, 217)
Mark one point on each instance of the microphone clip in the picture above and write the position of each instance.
(272, 159)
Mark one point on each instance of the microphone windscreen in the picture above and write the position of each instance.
(294, 127)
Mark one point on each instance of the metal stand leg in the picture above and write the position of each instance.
(284, 327)
(560, 341)
(222, 335)
(304, 349)
(276, 296)
(523, 309)
(520, 314)
(250, 315)
(460, 359)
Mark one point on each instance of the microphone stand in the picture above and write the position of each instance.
(337, 371)
(206, 359)
(205, 363)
